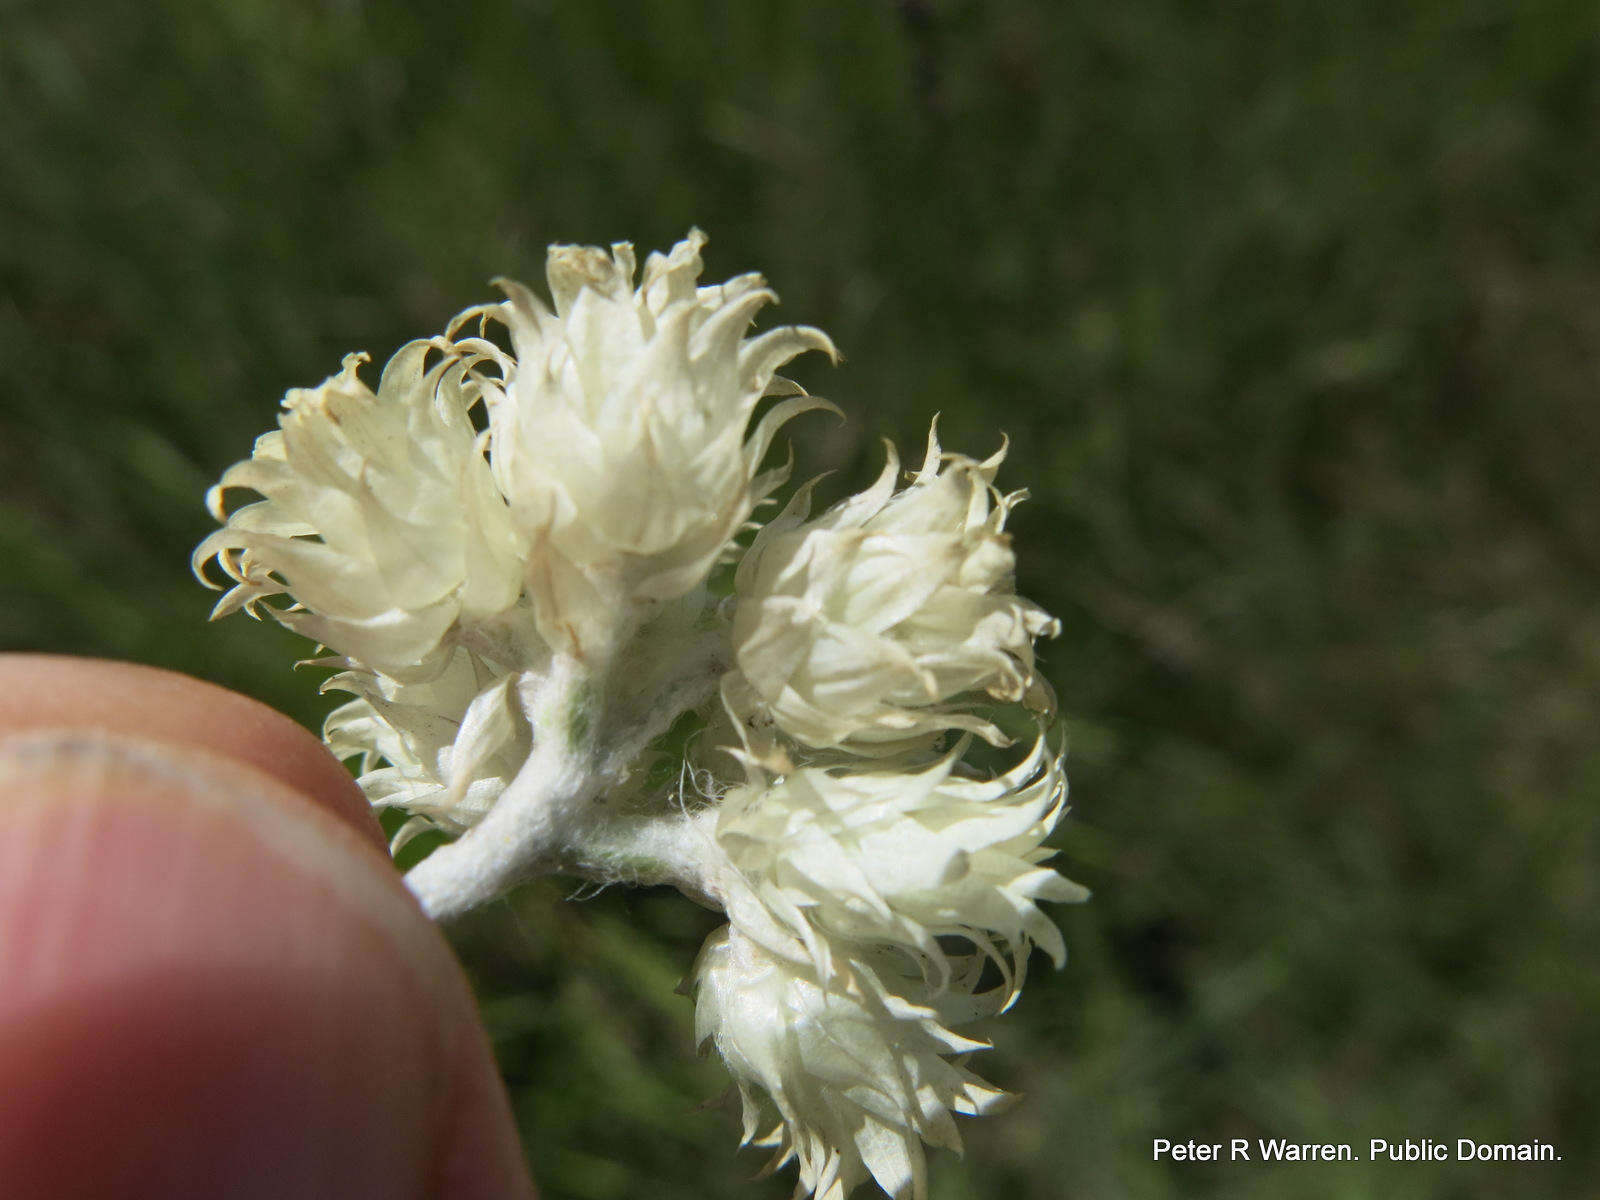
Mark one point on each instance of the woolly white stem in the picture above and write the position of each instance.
(674, 848)
(532, 818)
(545, 821)
(699, 672)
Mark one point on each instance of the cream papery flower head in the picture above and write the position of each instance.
(415, 753)
(905, 859)
(380, 518)
(860, 1077)
(618, 427)
(879, 623)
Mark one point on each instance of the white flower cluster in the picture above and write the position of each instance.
(506, 551)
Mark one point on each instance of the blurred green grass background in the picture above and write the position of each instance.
(1292, 313)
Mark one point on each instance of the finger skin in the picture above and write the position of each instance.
(50, 691)
(211, 981)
